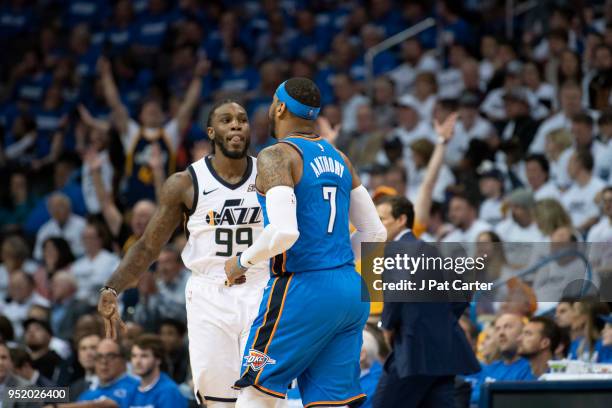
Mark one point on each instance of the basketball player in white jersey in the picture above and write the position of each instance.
(216, 197)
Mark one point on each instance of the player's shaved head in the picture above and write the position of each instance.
(304, 91)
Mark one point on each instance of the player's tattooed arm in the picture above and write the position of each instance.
(277, 165)
(176, 194)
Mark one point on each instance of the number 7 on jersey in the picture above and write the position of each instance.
(329, 194)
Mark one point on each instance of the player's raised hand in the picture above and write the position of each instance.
(327, 131)
(234, 272)
(446, 129)
(108, 307)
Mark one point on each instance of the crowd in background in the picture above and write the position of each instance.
(101, 100)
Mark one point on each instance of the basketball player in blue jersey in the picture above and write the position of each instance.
(311, 316)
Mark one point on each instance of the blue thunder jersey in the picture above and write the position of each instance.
(164, 393)
(121, 391)
(323, 198)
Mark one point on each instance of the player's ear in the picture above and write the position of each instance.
(211, 133)
(281, 108)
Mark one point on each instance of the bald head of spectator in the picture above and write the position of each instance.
(462, 212)
(60, 207)
(63, 287)
(521, 205)
(21, 286)
(110, 361)
(570, 98)
(508, 328)
(141, 215)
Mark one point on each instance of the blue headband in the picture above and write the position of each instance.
(294, 106)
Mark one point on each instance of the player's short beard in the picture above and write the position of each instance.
(218, 141)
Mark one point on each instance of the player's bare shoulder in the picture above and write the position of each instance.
(178, 190)
(278, 165)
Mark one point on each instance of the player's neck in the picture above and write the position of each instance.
(227, 168)
(291, 127)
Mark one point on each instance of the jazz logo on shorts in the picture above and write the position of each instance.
(257, 360)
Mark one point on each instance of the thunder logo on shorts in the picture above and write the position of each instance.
(257, 360)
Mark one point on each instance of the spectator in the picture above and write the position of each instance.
(565, 317)
(155, 388)
(521, 225)
(371, 368)
(63, 223)
(15, 257)
(600, 235)
(579, 199)
(599, 85)
(37, 337)
(123, 234)
(7, 379)
(538, 342)
(415, 59)
(584, 139)
(22, 364)
(366, 141)
(382, 104)
(96, 265)
(22, 297)
(605, 353)
(488, 348)
(163, 295)
(347, 97)
(21, 203)
(520, 126)
(552, 281)
(86, 346)
(544, 92)
(140, 182)
(491, 185)
(587, 346)
(65, 307)
(557, 142)
(411, 126)
(57, 257)
(550, 215)
(172, 334)
(425, 91)
(463, 214)
(421, 151)
(538, 176)
(114, 383)
(570, 96)
(7, 334)
(511, 367)
(61, 347)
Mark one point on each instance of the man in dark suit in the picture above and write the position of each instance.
(428, 346)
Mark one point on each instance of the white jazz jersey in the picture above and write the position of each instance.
(224, 221)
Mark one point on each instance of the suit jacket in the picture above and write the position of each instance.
(428, 339)
(74, 309)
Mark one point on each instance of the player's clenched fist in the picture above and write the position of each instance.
(234, 272)
(108, 307)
